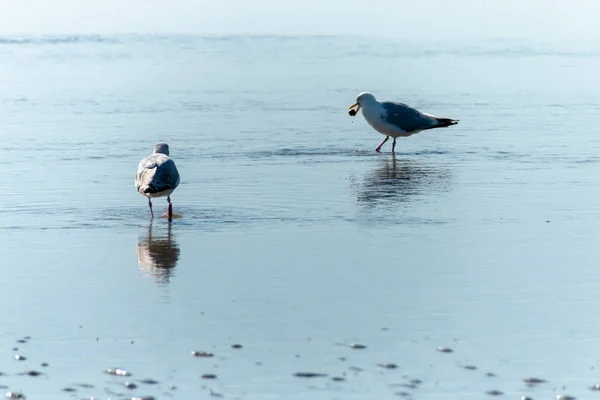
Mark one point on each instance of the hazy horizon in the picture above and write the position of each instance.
(464, 19)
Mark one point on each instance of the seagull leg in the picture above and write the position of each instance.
(169, 214)
(150, 205)
(393, 145)
(378, 149)
(170, 211)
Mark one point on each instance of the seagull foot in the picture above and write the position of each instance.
(166, 215)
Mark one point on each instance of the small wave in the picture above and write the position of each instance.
(60, 39)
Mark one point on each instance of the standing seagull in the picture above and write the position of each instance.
(395, 119)
(157, 176)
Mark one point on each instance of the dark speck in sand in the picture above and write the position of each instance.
(69, 390)
(130, 385)
(402, 394)
(338, 379)
(526, 398)
(595, 387)
(490, 374)
(117, 372)
(236, 346)
(309, 375)
(149, 381)
(533, 381)
(14, 395)
(27, 337)
(442, 349)
(494, 393)
(15, 349)
(388, 365)
(416, 381)
(20, 358)
(212, 393)
(85, 385)
(21, 341)
(202, 354)
(470, 367)
(355, 369)
(45, 364)
(208, 376)
(32, 373)
(357, 346)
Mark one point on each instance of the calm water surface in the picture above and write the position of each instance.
(297, 239)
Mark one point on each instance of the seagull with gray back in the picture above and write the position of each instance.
(395, 119)
(157, 176)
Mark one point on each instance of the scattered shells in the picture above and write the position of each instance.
(117, 372)
(442, 349)
(202, 354)
(564, 397)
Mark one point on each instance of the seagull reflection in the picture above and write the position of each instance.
(401, 181)
(158, 254)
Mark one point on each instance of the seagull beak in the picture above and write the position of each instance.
(353, 111)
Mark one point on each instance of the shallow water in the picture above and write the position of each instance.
(297, 239)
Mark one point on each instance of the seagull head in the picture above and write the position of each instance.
(361, 100)
(162, 148)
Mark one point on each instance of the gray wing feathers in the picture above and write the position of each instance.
(407, 118)
(157, 173)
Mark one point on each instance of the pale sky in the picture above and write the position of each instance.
(539, 19)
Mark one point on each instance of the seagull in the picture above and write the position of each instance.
(157, 176)
(395, 119)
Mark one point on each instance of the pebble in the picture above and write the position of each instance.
(130, 385)
(208, 376)
(533, 381)
(236, 346)
(20, 358)
(357, 346)
(595, 387)
(309, 375)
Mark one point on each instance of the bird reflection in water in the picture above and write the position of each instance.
(401, 181)
(158, 254)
